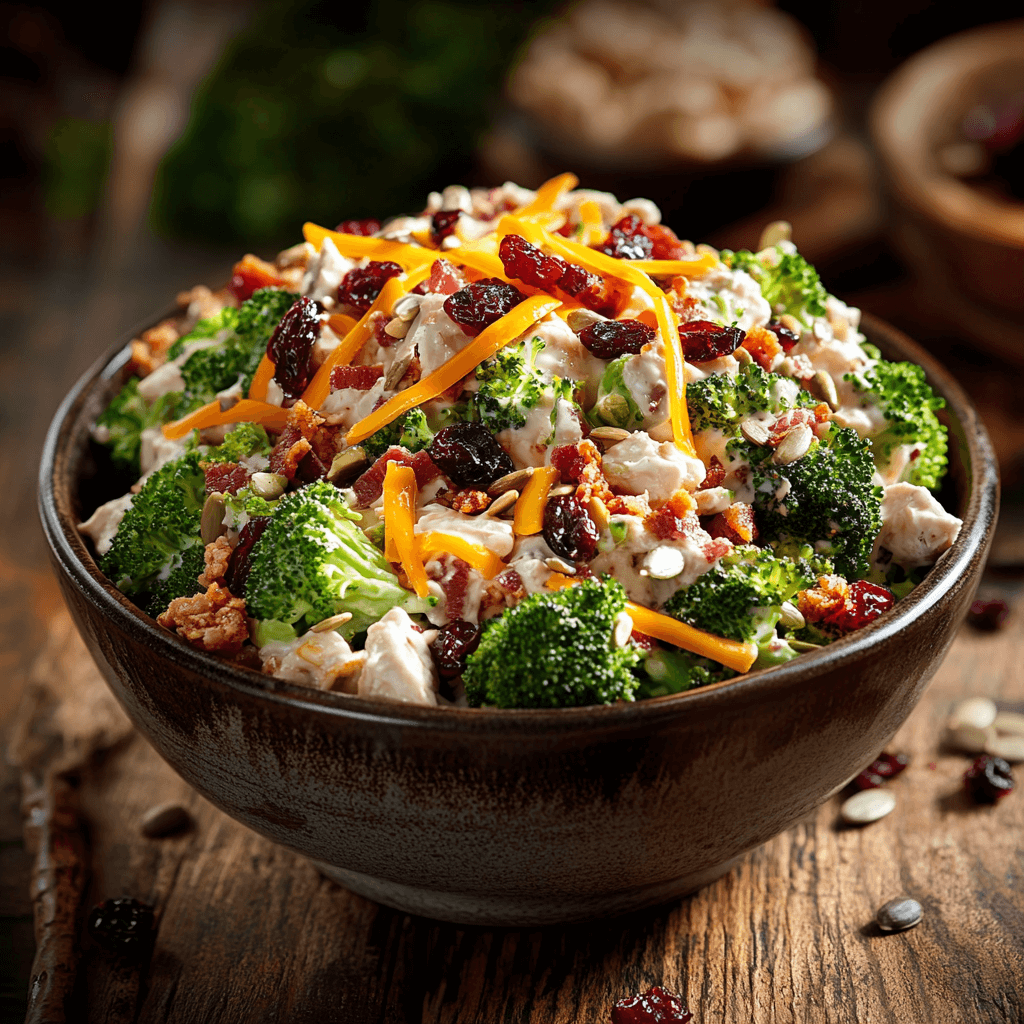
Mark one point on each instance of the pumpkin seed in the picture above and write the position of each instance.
(599, 513)
(794, 445)
(609, 435)
(755, 432)
(268, 485)
(899, 914)
(346, 464)
(742, 356)
(792, 617)
(211, 522)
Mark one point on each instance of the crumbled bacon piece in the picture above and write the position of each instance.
(370, 486)
(511, 582)
(306, 446)
(828, 596)
(787, 421)
(592, 481)
(714, 476)
(361, 378)
(628, 505)
(717, 548)
(212, 621)
(225, 477)
(675, 519)
(217, 557)
(822, 412)
(763, 347)
(569, 461)
(467, 501)
(445, 278)
(452, 575)
(642, 640)
(736, 524)
(250, 274)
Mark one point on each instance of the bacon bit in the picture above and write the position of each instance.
(715, 549)
(736, 524)
(150, 350)
(250, 274)
(142, 362)
(569, 461)
(225, 477)
(822, 412)
(377, 322)
(592, 481)
(628, 505)
(714, 476)
(642, 640)
(675, 519)
(830, 595)
(445, 278)
(306, 447)
(452, 574)
(370, 486)
(217, 557)
(763, 347)
(361, 378)
(214, 621)
(467, 501)
(787, 421)
(512, 583)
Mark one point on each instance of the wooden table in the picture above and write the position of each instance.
(249, 932)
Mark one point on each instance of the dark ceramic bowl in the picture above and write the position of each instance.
(520, 817)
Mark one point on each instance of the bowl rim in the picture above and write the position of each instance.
(69, 549)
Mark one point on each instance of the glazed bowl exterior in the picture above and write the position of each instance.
(518, 818)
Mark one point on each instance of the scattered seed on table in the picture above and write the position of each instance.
(165, 820)
(867, 806)
(899, 914)
(1009, 748)
(977, 711)
(971, 739)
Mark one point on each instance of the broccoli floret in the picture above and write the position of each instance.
(789, 283)
(210, 370)
(554, 650)
(410, 431)
(720, 401)
(313, 562)
(825, 499)
(668, 672)
(741, 597)
(225, 320)
(510, 385)
(243, 441)
(908, 404)
(615, 405)
(157, 553)
(128, 415)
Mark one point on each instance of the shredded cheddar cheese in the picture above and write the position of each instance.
(357, 247)
(261, 379)
(211, 415)
(529, 514)
(732, 653)
(697, 267)
(486, 562)
(400, 522)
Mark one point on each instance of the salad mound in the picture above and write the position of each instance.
(523, 449)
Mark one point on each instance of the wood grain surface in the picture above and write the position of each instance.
(249, 932)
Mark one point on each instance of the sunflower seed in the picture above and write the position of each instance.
(1009, 748)
(971, 739)
(211, 521)
(562, 490)
(599, 513)
(622, 629)
(899, 914)
(346, 464)
(502, 503)
(755, 432)
(556, 564)
(268, 485)
(398, 368)
(742, 356)
(326, 625)
(977, 711)
(827, 389)
(579, 319)
(794, 445)
(516, 479)
(791, 617)
(164, 820)
(867, 806)
(608, 435)
(1009, 721)
(664, 563)
(407, 307)
(397, 327)
(777, 231)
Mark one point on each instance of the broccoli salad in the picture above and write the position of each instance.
(523, 449)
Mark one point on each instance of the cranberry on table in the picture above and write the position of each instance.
(291, 346)
(468, 454)
(988, 616)
(884, 767)
(121, 925)
(609, 339)
(361, 286)
(704, 339)
(480, 304)
(568, 529)
(455, 642)
(988, 779)
(655, 1006)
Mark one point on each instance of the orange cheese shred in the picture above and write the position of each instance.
(486, 562)
(261, 379)
(482, 347)
(675, 268)
(340, 323)
(593, 223)
(357, 247)
(675, 375)
(211, 415)
(529, 515)
(732, 653)
(557, 581)
(548, 194)
(400, 524)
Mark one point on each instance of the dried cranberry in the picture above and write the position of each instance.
(866, 602)
(885, 766)
(988, 779)
(988, 616)
(365, 228)
(469, 455)
(455, 642)
(480, 304)
(655, 1006)
(627, 240)
(442, 224)
(785, 337)
(703, 340)
(569, 530)
(291, 346)
(445, 278)
(122, 925)
(569, 461)
(665, 243)
(609, 339)
(361, 286)
(239, 563)
(531, 265)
